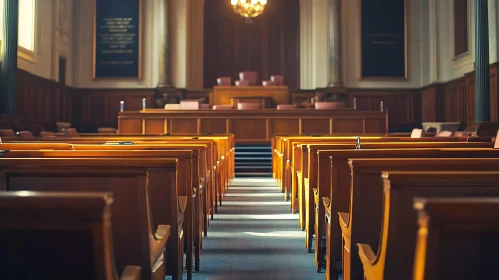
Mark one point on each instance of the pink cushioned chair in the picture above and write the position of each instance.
(224, 81)
(278, 80)
(242, 83)
(71, 132)
(444, 133)
(223, 107)
(47, 134)
(251, 76)
(267, 83)
(25, 134)
(326, 105)
(249, 106)
(286, 106)
(7, 133)
(462, 134)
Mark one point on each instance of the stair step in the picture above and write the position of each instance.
(254, 174)
(253, 166)
(253, 153)
(254, 148)
(254, 158)
(252, 163)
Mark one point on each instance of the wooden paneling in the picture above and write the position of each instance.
(269, 45)
(245, 129)
(432, 99)
(250, 126)
(41, 101)
(455, 101)
(214, 126)
(184, 126)
(285, 126)
(317, 126)
(349, 125)
(100, 107)
(155, 126)
(403, 105)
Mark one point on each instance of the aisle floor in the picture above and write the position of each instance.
(255, 236)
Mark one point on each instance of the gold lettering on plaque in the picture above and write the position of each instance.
(116, 38)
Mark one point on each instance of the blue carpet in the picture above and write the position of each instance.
(255, 236)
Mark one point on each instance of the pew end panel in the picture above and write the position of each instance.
(456, 232)
(394, 259)
(136, 241)
(55, 225)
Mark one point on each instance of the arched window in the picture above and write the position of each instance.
(27, 28)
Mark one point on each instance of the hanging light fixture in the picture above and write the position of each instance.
(248, 9)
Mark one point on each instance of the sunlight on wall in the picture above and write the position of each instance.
(27, 26)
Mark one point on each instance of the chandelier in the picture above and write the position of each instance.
(248, 8)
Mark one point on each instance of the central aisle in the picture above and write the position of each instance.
(255, 236)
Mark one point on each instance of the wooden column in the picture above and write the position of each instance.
(165, 76)
(9, 58)
(335, 73)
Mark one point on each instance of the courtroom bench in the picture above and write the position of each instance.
(189, 218)
(133, 181)
(450, 228)
(335, 177)
(364, 220)
(394, 259)
(310, 177)
(48, 235)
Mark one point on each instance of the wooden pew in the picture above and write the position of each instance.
(186, 159)
(364, 217)
(394, 259)
(140, 186)
(309, 171)
(201, 178)
(456, 233)
(335, 186)
(224, 165)
(225, 143)
(290, 174)
(207, 178)
(284, 144)
(59, 236)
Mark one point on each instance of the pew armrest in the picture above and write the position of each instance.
(327, 204)
(366, 254)
(316, 198)
(131, 272)
(160, 238)
(182, 203)
(344, 219)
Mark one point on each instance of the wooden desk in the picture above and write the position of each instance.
(265, 101)
(225, 94)
(249, 126)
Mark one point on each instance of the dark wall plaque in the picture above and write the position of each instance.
(384, 39)
(117, 39)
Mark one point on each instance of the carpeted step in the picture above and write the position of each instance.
(253, 160)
